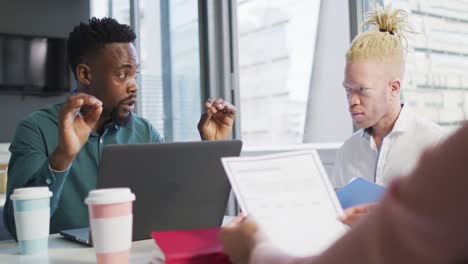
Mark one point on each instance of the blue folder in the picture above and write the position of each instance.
(359, 191)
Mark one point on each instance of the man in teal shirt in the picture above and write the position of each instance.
(60, 146)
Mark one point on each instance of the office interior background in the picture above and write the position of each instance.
(281, 62)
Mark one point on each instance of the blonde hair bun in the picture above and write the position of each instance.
(385, 39)
(393, 21)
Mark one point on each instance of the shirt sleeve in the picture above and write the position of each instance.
(29, 166)
(421, 219)
(60, 177)
(155, 136)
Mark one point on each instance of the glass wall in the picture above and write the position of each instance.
(120, 10)
(276, 42)
(436, 81)
(170, 95)
(170, 73)
(99, 8)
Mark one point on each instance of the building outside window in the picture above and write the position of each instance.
(436, 78)
(276, 43)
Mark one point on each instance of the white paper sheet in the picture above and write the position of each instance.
(289, 195)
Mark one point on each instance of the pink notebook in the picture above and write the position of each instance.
(191, 246)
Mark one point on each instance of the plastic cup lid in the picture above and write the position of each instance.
(110, 196)
(30, 193)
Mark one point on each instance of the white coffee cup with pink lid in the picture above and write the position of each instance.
(111, 219)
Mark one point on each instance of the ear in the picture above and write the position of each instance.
(83, 74)
(395, 86)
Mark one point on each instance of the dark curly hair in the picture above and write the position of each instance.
(89, 38)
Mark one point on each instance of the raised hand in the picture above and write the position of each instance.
(77, 118)
(218, 120)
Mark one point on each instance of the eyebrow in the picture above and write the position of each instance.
(126, 65)
(358, 87)
(345, 86)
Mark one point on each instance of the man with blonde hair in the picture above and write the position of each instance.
(391, 137)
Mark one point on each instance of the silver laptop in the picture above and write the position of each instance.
(177, 185)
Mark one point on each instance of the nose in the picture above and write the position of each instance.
(132, 86)
(353, 99)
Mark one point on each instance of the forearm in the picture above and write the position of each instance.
(61, 160)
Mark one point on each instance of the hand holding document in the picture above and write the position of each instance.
(290, 197)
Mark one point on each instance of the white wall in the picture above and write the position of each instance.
(50, 18)
(328, 119)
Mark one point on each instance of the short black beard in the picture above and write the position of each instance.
(115, 113)
(120, 121)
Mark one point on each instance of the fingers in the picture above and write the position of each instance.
(355, 210)
(237, 221)
(240, 226)
(229, 110)
(239, 240)
(250, 227)
(365, 208)
(210, 109)
(83, 104)
(352, 214)
(360, 209)
(214, 105)
(349, 219)
(92, 115)
(209, 102)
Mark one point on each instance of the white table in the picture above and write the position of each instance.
(64, 251)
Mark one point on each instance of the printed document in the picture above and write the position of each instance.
(290, 197)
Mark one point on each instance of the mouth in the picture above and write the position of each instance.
(129, 105)
(355, 114)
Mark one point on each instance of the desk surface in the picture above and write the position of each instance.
(64, 251)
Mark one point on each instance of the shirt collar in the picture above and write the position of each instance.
(367, 133)
(112, 126)
(402, 123)
(107, 127)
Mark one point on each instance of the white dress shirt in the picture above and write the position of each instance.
(398, 155)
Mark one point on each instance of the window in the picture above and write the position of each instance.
(276, 42)
(168, 40)
(170, 73)
(99, 8)
(436, 79)
(120, 10)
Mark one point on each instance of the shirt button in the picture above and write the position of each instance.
(48, 181)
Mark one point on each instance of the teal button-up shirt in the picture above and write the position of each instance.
(36, 138)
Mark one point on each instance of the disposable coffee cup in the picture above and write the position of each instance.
(32, 218)
(111, 219)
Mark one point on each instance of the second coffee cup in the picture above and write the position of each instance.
(111, 219)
